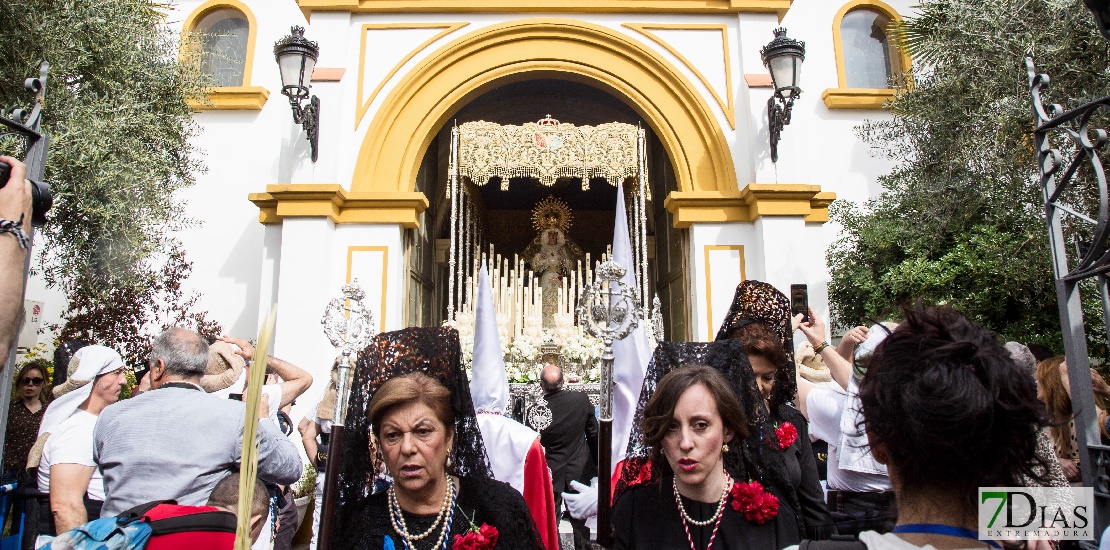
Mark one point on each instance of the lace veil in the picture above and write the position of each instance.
(759, 302)
(755, 458)
(433, 351)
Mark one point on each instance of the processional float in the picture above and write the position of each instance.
(607, 308)
(349, 325)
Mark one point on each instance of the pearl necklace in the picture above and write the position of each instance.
(716, 519)
(720, 505)
(446, 512)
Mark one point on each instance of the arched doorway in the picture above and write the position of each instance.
(506, 219)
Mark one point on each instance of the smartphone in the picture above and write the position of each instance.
(799, 301)
(235, 396)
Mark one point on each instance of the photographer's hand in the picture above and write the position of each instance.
(15, 195)
(15, 201)
(840, 368)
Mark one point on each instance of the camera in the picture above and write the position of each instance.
(41, 197)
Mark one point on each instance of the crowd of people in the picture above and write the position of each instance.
(748, 441)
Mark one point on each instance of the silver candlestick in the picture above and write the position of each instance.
(349, 324)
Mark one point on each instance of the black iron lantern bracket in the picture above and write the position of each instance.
(781, 102)
(296, 87)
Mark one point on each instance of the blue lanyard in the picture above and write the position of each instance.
(940, 529)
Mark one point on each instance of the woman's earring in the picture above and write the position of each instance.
(449, 462)
(724, 448)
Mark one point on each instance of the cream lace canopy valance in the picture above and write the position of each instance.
(547, 150)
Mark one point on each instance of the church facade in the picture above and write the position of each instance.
(394, 78)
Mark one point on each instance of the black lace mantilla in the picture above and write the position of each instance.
(756, 458)
(433, 351)
(759, 302)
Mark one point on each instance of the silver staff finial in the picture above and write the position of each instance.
(349, 325)
(609, 310)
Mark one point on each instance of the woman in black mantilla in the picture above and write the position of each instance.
(759, 319)
(760, 515)
(411, 394)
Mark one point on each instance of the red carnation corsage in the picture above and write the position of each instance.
(787, 434)
(477, 538)
(757, 505)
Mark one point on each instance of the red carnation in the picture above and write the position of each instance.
(757, 504)
(763, 509)
(485, 538)
(787, 435)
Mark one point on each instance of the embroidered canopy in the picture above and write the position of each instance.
(548, 150)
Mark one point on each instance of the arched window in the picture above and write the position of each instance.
(224, 38)
(866, 61)
(869, 59)
(226, 31)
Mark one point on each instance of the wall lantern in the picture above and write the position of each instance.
(783, 58)
(296, 57)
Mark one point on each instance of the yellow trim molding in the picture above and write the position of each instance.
(844, 97)
(362, 106)
(385, 274)
(755, 201)
(233, 98)
(331, 201)
(424, 99)
(726, 105)
(244, 97)
(856, 98)
(779, 7)
(709, 283)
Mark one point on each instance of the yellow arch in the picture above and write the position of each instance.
(424, 99)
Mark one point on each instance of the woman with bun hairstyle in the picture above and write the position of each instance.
(948, 411)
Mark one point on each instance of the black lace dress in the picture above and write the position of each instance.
(646, 517)
(483, 500)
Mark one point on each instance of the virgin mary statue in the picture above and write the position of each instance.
(551, 254)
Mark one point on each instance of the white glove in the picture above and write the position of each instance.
(583, 504)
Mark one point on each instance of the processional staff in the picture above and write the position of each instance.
(609, 310)
(349, 325)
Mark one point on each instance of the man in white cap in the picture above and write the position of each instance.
(66, 469)
(515, 453)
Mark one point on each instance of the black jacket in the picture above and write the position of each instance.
(570, 442)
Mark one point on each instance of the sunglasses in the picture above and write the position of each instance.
(32, 381)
